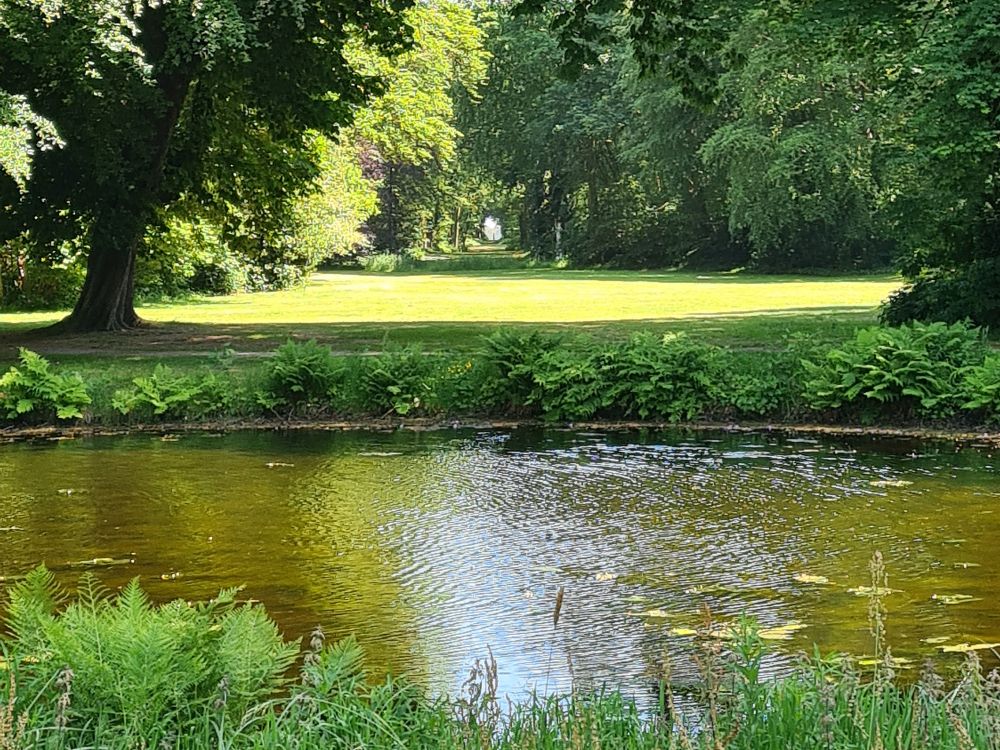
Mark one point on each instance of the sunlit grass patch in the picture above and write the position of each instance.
(354, 311)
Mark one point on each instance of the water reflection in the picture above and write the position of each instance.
(431, 546)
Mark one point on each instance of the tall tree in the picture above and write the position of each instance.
(843, 125)
(154, 98)
(408, 134)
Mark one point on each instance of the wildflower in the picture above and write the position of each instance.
(63, 684)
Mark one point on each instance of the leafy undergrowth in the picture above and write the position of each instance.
(919, 373)
(120, 672)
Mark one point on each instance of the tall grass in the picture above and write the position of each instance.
(118, 672)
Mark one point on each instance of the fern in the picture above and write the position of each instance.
(34, 388)
(300, 375)
(919, 367)
(398, 381)
(144, 672)
(982, 387)
(336, 669)
(572, 384)
(514, 355)
(164, 395)
(33, 601)
(669, 377)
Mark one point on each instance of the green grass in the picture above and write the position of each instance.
(354, 311)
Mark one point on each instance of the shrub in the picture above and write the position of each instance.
(969, 293)
(182, 257)
(40, 278)
(35, 388)
(387, 262)
(646, 376)
(225, 274)
(514, 354)
(477, 262)
(470, 385)
(301, 374)
(918, 367)
(328, 221)
(982, 387)
(756, 384)
(264, 275)
(50, 287)
(121, 673)
(571, 383)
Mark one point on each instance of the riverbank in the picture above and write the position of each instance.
(915, 377)
(168, 676)
(987, 437)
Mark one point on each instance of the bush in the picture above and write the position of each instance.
(47, 286)
(387, 262)
(118, 672)
(34, 388)
(301, 375)
(470, 385)
(273, 275)
(572, 383)
(914, 368)
(224, 274)
(328, 221)
(477, 262)
(513, 355)
(577, 378)
(896, 374)
(971, 293)
(756, 385)
(183, 257)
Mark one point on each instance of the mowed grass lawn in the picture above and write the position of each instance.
(354, 311)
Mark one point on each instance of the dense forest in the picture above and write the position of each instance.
(781, 137)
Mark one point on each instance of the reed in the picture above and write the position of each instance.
(13, 725)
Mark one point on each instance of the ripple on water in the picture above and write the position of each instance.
(432, 547)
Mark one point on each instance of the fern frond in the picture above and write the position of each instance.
(90, 592)
(33, 602)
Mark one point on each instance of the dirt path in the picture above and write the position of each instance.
(190, 340)
(175, 340)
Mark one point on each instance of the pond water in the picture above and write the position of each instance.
(431, 546)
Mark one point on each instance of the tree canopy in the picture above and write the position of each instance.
(155, 102)
(833, 133)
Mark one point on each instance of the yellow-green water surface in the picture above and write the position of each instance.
(432, 546)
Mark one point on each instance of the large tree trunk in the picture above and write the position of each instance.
(432, 232)
(106, 301)
(390, 208)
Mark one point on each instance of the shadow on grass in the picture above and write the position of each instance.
(659, 276)
(755, 329)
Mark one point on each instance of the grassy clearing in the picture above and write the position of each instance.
(354, 312)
